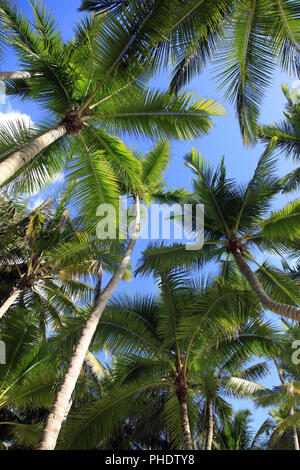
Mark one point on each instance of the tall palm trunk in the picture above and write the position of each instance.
(295, 433)
(210, 425)
(9, 302)
(185, 422)
(21, 157)
(295, 439)
(285, 310)
(18, 75)
(58, 412)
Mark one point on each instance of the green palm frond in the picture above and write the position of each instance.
(291, 181)
(286, 132)
(161, 115)
(44, 53)
(201, 34)
(103, 6)
(96, 183)
(123, 162)
(25, 435)
(156, 161)
(246, 63)
(242, 387)
(284, 425)
(283, 223)
(100, 418)
(285, 33)
(263, 185)
(278, 285)
(159, 257)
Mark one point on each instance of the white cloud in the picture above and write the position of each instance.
(15, 116)
(8, 114)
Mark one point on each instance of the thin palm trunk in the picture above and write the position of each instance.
(295, 433)
(21, 157)
(185, 422)
(18, 75)
(59, 410)
(210, 426)
(284, 310)
(9, 302)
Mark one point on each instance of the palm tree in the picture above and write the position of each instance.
(237, 222)
(153, 165)
(246, 39)
(287, 133)
(45, 262)
(238, 434)
(226, 377)
(285, 396)
(90, 88)
(30, 379)
(282, 435)
(163, 346)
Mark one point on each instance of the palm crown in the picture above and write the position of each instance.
(235, 225)
(246, 39)
(47, 261)
(91, 88)
(177, 349)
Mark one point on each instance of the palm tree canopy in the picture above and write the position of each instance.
(173, 335)
(237, 216)
(92, 87)
(245, 39)
(49, 259)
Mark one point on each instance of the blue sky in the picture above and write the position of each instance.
(224, 139)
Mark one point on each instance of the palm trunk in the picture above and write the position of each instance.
(185, 422)
(58, 413)
(9, 302)
(295, 433)
(210, 426)
(18, 159)
(295, 438)
(284, 310)
(18, 75)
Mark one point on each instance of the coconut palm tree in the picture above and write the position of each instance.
(30, 378)
(225, 378)
(27, 379)
(286, 396)
(163, 346)
(287, 133)
(281, 435)
(90, 89)
(246, 39)
(46, 261)
(153, 166)
(237, 433)
(238, 223)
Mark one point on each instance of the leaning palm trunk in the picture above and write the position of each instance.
(285, 310)
(59, 410)
(9, 302)
(185, 423)
(21, 157)
(210, 426)
(18, 75)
